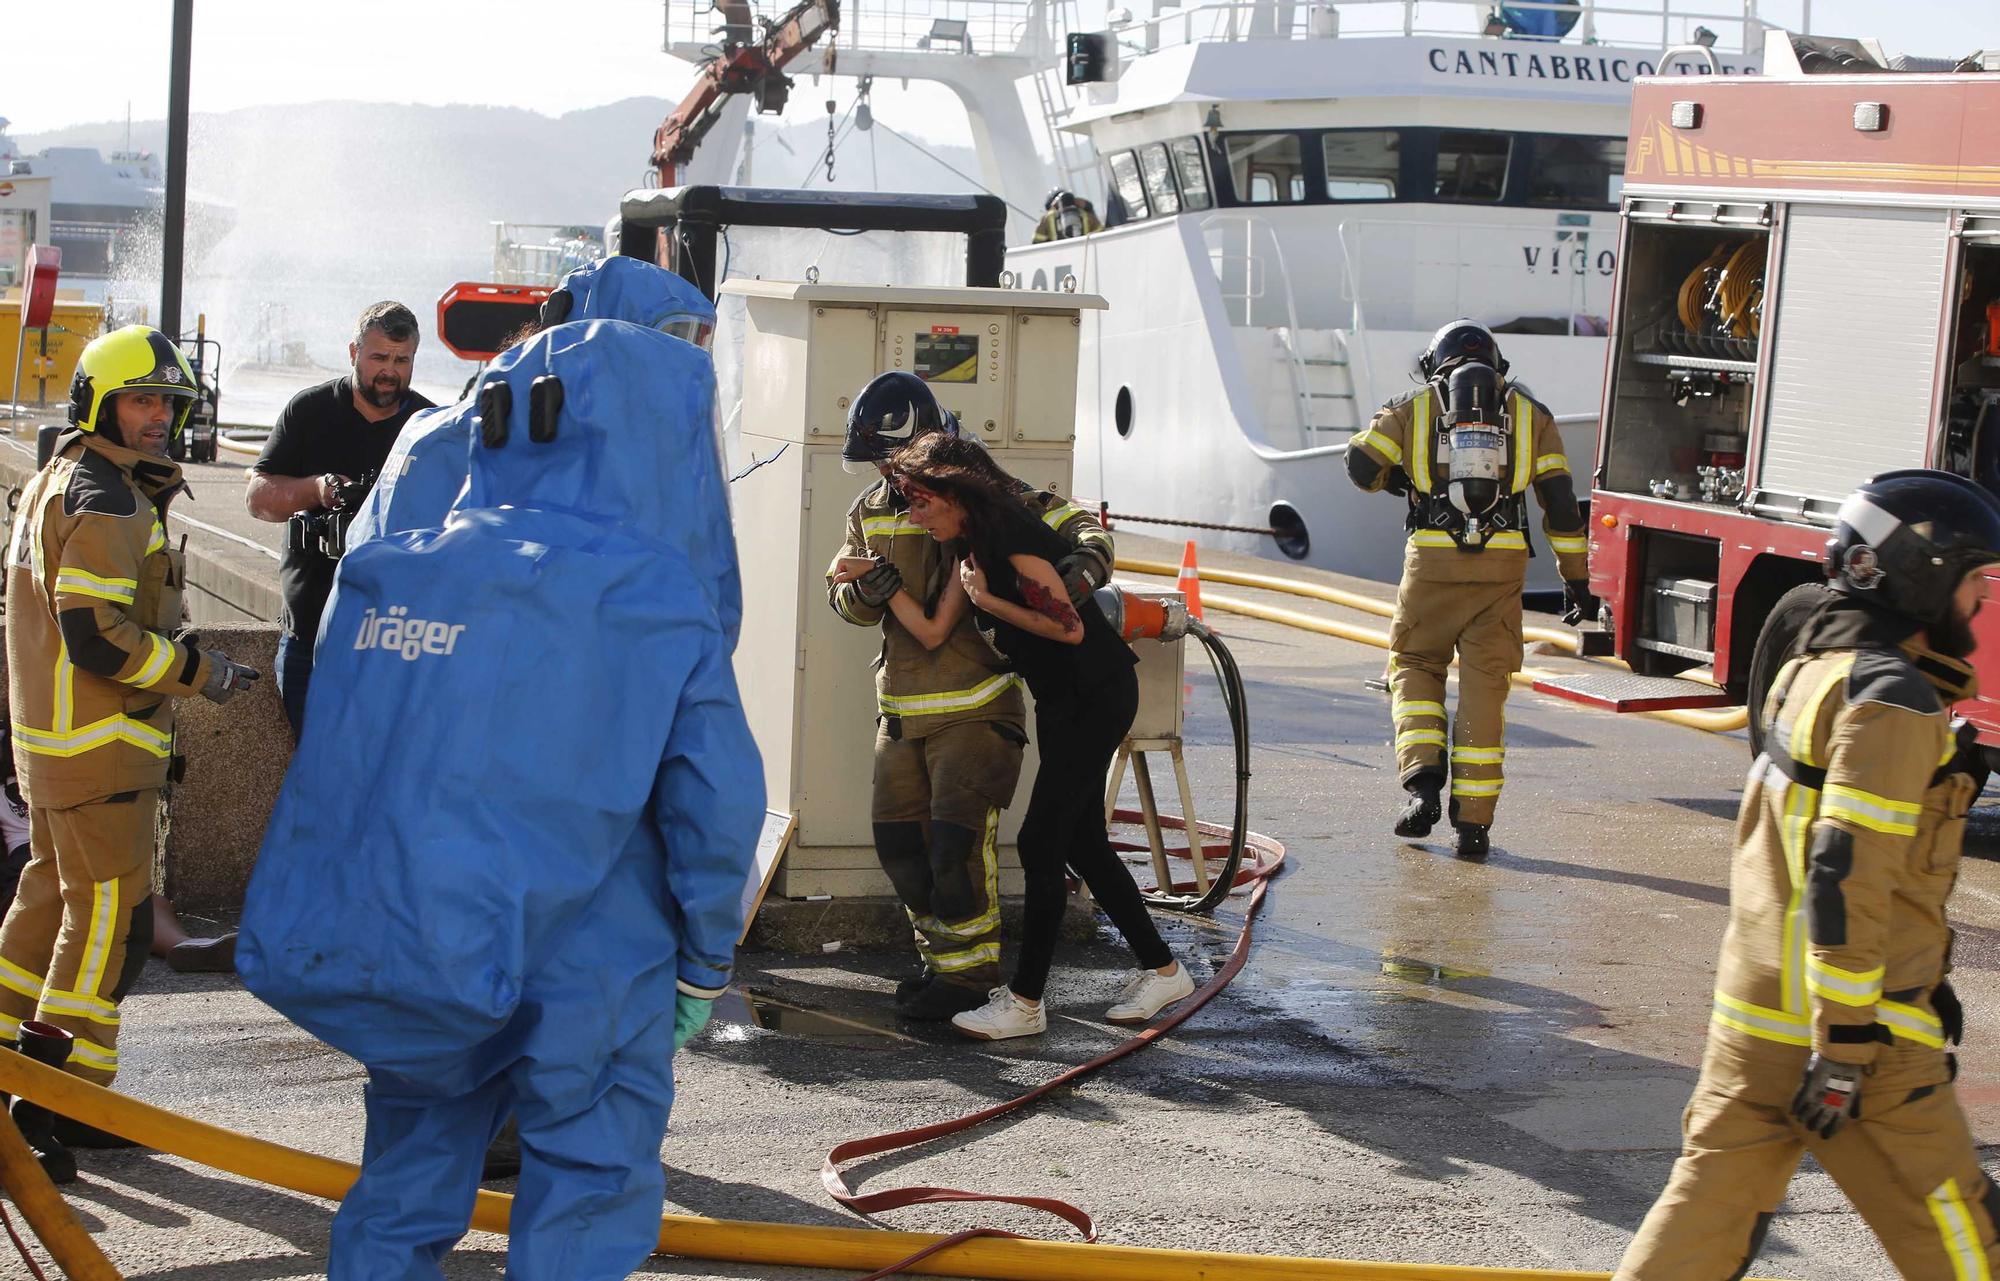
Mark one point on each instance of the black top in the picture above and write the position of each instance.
(321, 431)
(1058, 674)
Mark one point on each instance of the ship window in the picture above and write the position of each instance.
(1194, 180)
(1568, 172)
(1131, 189)
(1362, 164)
(1266, 168)
(1472, 166)
(1158, 172)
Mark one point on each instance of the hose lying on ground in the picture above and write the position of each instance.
(687, 1236)
(1720, 720)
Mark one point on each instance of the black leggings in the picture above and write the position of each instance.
(1064, 827)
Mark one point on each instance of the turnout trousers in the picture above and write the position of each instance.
(1480, 623)
(77, 935)
(937, 833)
(1907, 1165)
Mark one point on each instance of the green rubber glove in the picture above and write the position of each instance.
(690, 1016)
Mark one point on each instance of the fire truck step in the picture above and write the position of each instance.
(1625, 692)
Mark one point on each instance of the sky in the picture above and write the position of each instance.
(95, 55)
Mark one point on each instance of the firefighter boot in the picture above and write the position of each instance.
(35, 1122)
(939, 999)
(1423, 811)
(1472, 841)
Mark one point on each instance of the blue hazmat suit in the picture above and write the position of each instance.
(521, 817)
(426, 467)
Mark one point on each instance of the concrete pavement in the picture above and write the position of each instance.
(1425, 1060)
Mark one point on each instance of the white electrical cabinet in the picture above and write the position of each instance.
(1004, 361)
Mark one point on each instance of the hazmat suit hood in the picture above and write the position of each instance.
(666, 481)
(622, 288)
(426, 468)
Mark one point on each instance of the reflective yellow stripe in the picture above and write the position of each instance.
(112, 729)
(1961, 1236)
(1478, 755)
(65, 689)
(1506, 540)
(76, 582)
(156, 662)
(71, 1005)
(16, 979)
(10, 1027)
(1757, 1021)
(888, 526)
(104, 921)
(841, 595)
(1421, 430)
(971, 958)
(1055, 516)
(1382, 445)
(1416, 737)
(1878, 813)
(950, 701)
(1550, 462)
(89, 1053)
(1476, 786)
(1416, 707)
(1844, 986)
(1911, 1023)
(1802, 732)
(1523, 425)
(158, 541)
(1562, 543)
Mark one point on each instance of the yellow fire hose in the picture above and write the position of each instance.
(44, 1208)
(1562, 640)
(687, 1236)
(1721, 720)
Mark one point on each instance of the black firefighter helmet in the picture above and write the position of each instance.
(1460, 341)
(891, 411)
(1906, 539)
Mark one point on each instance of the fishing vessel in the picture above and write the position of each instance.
(1295, 195)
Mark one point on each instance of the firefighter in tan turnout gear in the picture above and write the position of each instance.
(1832, 1006)
(1463, 450)
(951, 725)
(94, 600)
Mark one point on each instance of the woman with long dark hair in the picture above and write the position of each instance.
(1086, 694)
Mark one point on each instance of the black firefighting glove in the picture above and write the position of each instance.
(1082, 573)
(1829, 1096)
(1949, 1011)
(225, 677)
(880, 583)
(1578, 603)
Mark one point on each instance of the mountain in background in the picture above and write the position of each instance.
(337, 204)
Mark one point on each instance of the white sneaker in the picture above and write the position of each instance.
(1146, 994)
(1002, 1016)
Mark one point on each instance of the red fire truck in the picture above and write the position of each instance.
(1808, 295)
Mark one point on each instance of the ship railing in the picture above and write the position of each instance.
(1245, 254)
(1630, 23)
(955, 28)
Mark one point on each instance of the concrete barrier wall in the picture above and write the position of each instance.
(236, 759)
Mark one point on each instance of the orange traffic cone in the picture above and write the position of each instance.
(1190, 581)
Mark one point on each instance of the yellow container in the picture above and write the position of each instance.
(74, 323)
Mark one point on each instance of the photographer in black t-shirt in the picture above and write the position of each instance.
(323, 456)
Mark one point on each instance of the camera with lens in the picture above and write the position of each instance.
(325, 531)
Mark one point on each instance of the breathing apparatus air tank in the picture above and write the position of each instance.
(1477, 441)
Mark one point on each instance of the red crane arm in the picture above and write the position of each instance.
(740, 68)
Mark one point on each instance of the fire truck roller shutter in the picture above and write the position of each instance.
(1861, 291)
